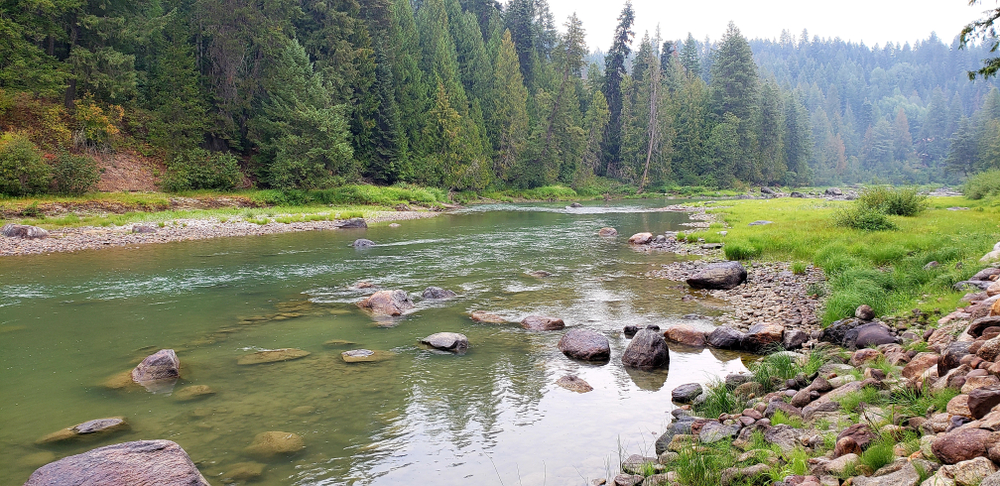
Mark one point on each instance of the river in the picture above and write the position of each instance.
(68, 322)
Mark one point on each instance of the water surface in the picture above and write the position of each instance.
(68, 322)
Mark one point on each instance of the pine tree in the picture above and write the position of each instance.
(614, 72)
(181, 110)
(690, 58)
(798, 141)
(509, 110)
(735, 89)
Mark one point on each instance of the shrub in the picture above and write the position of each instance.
(983, 184)
(737, 250)
(863, 218)
(75, 174)
(903, 201)
(23, 171)
(201, 169)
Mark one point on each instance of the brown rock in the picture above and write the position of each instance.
(961, 445)
(607, 232)
(387, 303)
(640, 239)
(846, 445)
(243, 471)
(586, 345)
(272, 356)
(860, 435)
(101, 426)
(864, 312)
(483, 316)
(959, 406)
(982, 400)
(989, 350)
(685, 334)
(977, 382)
(541, 323)
(574, 383)
(865, 355)
(762, 336)
(143, 462)
(160, 366)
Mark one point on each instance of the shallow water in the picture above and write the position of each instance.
(68, 322)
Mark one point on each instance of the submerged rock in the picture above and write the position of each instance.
(157, 371)
(101, 426)
(724, 276)
(364, 356)
(387, 303)
(272, 356)
(586, 345)
(193, 392)
(483, 316)
(447, 341)
(542, 323)
(363, 243)
(243, 471)
(143, 462)
(607, 232)
(437, 293)
(273, 443)
(646, 351)
(574, 383)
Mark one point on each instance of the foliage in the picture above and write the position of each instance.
(905, 201)
(719, 399)
(97, 126)
(200, 169)
(23, 171)
(983, 184)
(75, 174)
(864, 218)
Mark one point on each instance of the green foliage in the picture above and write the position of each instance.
(719, 399)
(200, 169)
(780, 417)
(741, 251)
(75, 174)
(893, 201)
(983, 184)
(879, 453)
(22, 169)
(864, 219)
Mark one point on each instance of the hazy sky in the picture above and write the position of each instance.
(870, 21)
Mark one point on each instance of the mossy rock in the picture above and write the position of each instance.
(272, 356)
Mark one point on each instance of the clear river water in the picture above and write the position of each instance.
(495, 415)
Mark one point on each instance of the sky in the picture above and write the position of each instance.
(869, 21)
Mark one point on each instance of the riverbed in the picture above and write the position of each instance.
(495, 415)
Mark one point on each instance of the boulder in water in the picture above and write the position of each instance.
(607, 232)
(159, 462)
(352, 223)
(364, 356)
(387, 303)
(101, 426)
(640, 239)
(363, 243)
(686, 393)
(574, 383)
(724, 337)
(161, 366)
(586, 345)
(648, 350)
(724, 276)
(272, 356)
(685, 334)
(437, 293)
(23, 231)
(447, 341)
(273, 443)
(542, 323)
(483, 316)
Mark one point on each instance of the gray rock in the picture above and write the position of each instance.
(157, 367)
(437, 293)
(351, 223)
(541, 323)
(447, 341)
(794, 339)
(724, 337)
(906, 476)
(716, 431)
(646, 351)
(159, 462)
(686, 393)
(26, 232)
(982, 400)
(725, 276)
(387, 303)
(363, 243)
(761, 222)
(682, 426)
(972, 284)
(586, 345)
(797, 194)
(870, 334)
(864, 312)
(991, 480)
(833, 191)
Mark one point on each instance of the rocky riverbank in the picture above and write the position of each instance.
(97, 237)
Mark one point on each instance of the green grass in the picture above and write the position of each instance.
(915, 403)
(780, 417)
(719, 399)
(881, 269)
(879, 453)
(851, 402)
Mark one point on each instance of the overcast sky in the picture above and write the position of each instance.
(869, 21)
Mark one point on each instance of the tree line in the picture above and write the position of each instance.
(472, 94)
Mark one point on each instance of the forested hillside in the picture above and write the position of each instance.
(467, 95)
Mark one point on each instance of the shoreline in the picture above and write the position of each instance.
(98, 237)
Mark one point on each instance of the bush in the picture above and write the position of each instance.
(863, 218)
(983, 184)
(201, 169)
(888, 200)
(75, 174)
(741, 251)
(23, 171)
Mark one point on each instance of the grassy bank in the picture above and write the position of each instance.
(884, 269)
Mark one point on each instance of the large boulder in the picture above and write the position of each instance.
(833, 191)
(979, 325)
(447, 341)
(646, 351)
(143, 462)
(724, 337)
(682, 426)
(870, 334)
(835, 333)
(725, 276)
(586, 345)
(160, 366)
(794, 339)
(640, 239)
(686, 393)
(12, 230)
(962, 444)
(685, 334)
(982, 400)
(387, 303)
(952, 356)
(437, 293)
(762, 336)
(542, 323)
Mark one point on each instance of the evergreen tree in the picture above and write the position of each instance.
(509, 120)
(735, 89)
(690, 58)
(798, 142)
(614, 72)
(181, 111)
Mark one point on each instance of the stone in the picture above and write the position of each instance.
(586, 345)
(794, 339)
(646, 351)
(103, 426)
(982, 400)
(905, 476)
(865, 355)
(990, 257)
(762, 336)
(931, 265)
(986, 273)
(838, 393)
(657, 480)
(686, 393)
(719, 276)
(23, 231)
(952, 356)
(678, 427)
(840, 464)
(783, 436)
(871, 334)
(387, 303)
(991, 480)
(640, 239)
(273, 443)
(761, 222)
(338, 343)
(685, 334)
(193, 392)
(437, 293)
(574, 383)
(363, 243)
(993, 289)
(977, 382)
(628, 479)
(797, 194)
(486, 317)
(961, 445)
(864, 312)
(959, 406)
(160, 366)
(724, 337)
(364, 356)
(272, 356)
(989, 350)
(242, 471)
(715, 431)
(447, 341)
(833, 191)
(971, 472)
(542, 323)
(747, 389)
(351, 223)
(860, 435)
(143, 228)
(606, 232)
(918, 365)
(979, 325)
(635, 463)
(143, 462)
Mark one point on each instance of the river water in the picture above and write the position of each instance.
(68, 322)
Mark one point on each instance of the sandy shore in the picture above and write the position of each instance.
(96, 237)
